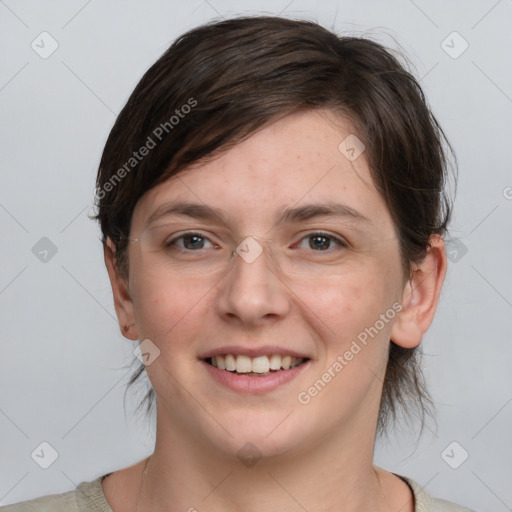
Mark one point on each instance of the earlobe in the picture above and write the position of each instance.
(122, 299)
(421, 296)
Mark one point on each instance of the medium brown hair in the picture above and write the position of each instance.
(238, 75)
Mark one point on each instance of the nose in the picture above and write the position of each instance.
(252, 290)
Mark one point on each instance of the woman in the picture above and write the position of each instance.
(272, 208)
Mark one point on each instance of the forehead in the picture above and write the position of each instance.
(300, 159)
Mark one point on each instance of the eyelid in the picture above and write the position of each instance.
(182, 232)
(339, 239)
(336, 238)
(189, 233)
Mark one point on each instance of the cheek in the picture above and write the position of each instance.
(166, 309)
(347, 316)
(346, 303)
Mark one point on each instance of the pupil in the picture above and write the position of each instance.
(325, 243)
(192, 237)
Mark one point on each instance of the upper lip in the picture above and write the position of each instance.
(252, 351)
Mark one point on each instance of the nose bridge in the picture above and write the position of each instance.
(252, 247)
(253, 288)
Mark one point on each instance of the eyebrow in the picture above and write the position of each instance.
(285, 215)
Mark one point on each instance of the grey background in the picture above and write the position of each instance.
(64, 364)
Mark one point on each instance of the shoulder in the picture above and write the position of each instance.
(87, 497)
(426, 503)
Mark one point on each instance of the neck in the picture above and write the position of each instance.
(335, 474)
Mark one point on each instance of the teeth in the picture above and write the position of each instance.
(230, 362)
(260, 364)
(275, 362)
(243, 364)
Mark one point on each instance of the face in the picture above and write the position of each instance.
(326, 290)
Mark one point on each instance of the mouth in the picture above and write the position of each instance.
(259, 366)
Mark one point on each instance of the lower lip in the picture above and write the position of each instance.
(254, 385)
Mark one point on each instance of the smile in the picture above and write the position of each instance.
(255, 366)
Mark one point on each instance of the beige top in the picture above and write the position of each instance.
(89, 497)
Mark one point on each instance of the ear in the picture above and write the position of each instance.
(120, 290)
(420, 296)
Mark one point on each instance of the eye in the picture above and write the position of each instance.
(321, 242)
(191, 241)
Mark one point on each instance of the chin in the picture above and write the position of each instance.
(260, 434)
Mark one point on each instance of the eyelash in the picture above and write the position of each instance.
(340, 242)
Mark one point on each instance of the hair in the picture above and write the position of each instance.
(219, 83)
